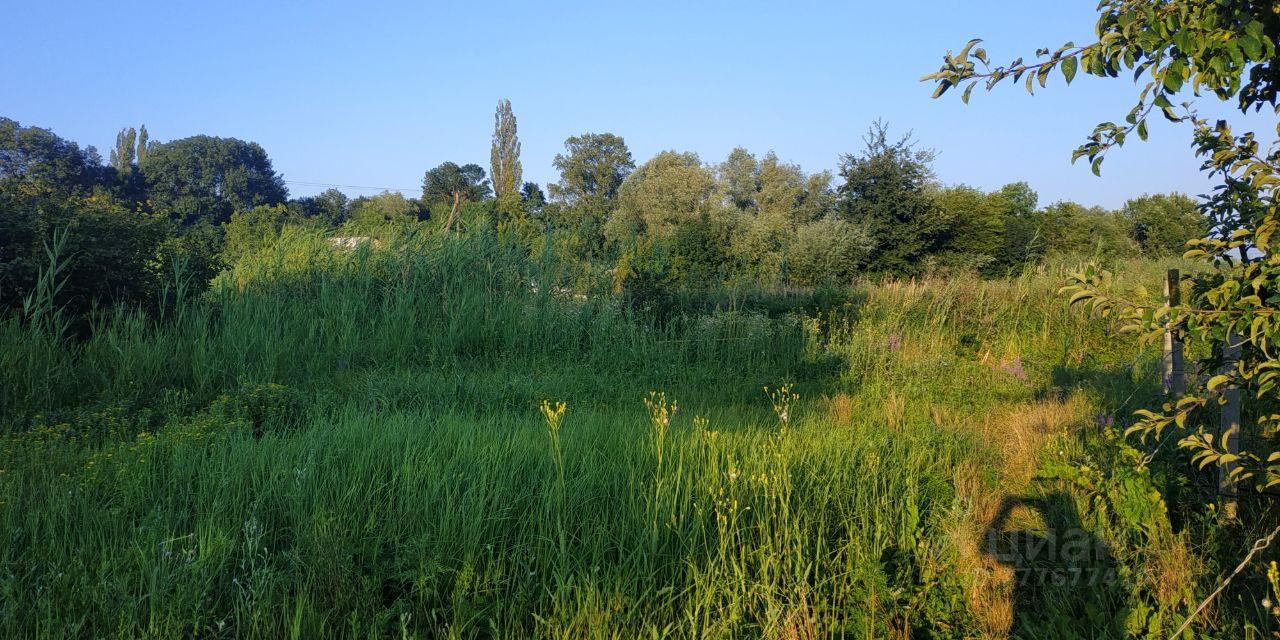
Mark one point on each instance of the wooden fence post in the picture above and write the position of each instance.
(1230, 427)
(1174, 375)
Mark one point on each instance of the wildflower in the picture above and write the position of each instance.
(894, 342)
(1014, 368)
(554, 414)
(782, 399)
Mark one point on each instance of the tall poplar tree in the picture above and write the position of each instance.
(504, 159)
(125, 153)
(144, 144)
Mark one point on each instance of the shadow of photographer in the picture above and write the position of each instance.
(1065, 583)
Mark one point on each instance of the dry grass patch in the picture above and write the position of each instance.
(1019, 433)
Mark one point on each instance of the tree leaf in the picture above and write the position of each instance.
(1069, 67)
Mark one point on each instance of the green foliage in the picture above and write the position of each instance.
(885, 189)
(331, 207)
(760, 246)
(199, 248)
(829, 251)
(386, 208)
(1023, 234)
(35, 160)
(1227, 48)
(661, 194)
(108, 249)
(253, 230)
(781, 187)
(975, 228)
(1120, 497)
(449, 181)
(264, 408)
(1162, 225)
(204, 178)
(532, 199)
(739, 179)
(1072, 229)
(504, 160)
(145, 145)
(700, 251)
(645, 279)
(125, 155)
(591, 171)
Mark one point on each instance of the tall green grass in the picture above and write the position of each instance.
(349, 443)
(456, 311)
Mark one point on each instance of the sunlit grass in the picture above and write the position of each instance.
(427, 441)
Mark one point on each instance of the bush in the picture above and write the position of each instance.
(263, 408)
(645, 281)
(109, 250)
(829, 250)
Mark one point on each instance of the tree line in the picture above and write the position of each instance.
(673, 221)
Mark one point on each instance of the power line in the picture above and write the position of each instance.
(307, 183)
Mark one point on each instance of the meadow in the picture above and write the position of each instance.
(440, 437)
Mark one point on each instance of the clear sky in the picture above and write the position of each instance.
(374, 94)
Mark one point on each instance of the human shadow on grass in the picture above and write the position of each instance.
(1064, 579)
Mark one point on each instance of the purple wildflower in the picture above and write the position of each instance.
(1015, 369)
(894, 342)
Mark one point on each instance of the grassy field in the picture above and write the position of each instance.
(356, 444)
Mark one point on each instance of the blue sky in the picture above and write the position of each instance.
(374, 94)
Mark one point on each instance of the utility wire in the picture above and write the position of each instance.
(307, 183)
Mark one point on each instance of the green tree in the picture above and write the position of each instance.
(818, 199)
(885, 190)
(975, 230)
(1162, 225)
(330, 206)
(1070, 228)
(645, 279)
(449, 182)
(1226, 48)
(388, 207)
(208, 178)
(198, 247)
(449, 186)
(532, 199)
(592, 169)
(782, 187)
(125, 155)
(1023, 242)
(739, 179)
(253, 230)
(504, 160)
(700, 250)
(35, 159)
(828, 251)
(131, 148)
(109, 248)
(661, 194)
(145, 145)
(759, 246)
